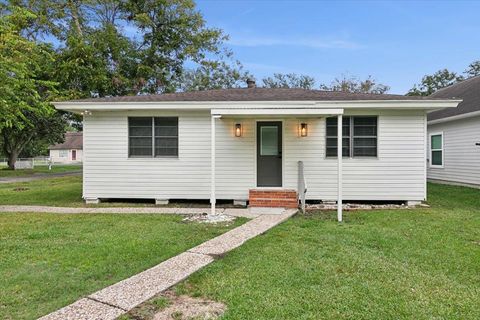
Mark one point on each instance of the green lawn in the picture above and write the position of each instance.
(62, 191)
(50, 260)
(396, 264)
(5, 172)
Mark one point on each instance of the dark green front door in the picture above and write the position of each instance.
(269, 154)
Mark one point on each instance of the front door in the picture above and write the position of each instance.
(74, 155)
(269, 154)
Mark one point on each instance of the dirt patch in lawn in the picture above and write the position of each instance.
(169, 306)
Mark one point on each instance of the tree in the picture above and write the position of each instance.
(25, 89)
(354, 85)
(213, 75)
(473, 69)
(172, 33)
(289, 80)
(431, 83)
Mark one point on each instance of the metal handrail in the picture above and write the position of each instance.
(302, 186)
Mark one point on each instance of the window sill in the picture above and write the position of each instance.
(152, 158)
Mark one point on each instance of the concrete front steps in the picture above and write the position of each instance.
(273, 198)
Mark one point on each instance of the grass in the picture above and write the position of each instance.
(51, 260)
(67, 192)
(386, 264)
(5, 172)
(62, 191)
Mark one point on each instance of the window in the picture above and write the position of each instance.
(436, 150)
(63, 153)
(332, 137)
(153, 136)
(359, 137)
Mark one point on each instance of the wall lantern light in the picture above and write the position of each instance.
(303, 129)
(238, 129)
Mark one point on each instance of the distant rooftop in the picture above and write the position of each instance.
(73, 140)
(468, 90)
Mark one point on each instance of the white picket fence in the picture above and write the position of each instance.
(30, 163)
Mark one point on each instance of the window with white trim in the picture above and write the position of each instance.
(63, 153)
(359, 136)
(152, 136)
(436, 150)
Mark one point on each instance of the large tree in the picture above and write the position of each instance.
(213, 75)
(25, 90)
(355, 85)
(289, 80)
(431, 83)
(473, 69)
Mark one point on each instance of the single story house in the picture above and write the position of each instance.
(256, 144)
(454, 136)
(70, 151)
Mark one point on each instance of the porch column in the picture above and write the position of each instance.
(339, 167)
(212, 164)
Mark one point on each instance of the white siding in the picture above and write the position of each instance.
(461, 155)
(398, 173)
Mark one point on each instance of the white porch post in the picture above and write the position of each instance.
(212, 164)
(339, 166)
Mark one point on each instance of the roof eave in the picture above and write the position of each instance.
(455, 117)
(80, 106)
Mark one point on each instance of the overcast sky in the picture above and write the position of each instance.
(396, 42)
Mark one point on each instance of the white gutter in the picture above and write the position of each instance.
(457, 117)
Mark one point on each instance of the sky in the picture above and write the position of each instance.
(396, 42)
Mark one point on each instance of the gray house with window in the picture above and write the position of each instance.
(256, 145)
(454, 136)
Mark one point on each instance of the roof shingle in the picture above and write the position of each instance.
(254, 94)
(73, 140)
(468, 90)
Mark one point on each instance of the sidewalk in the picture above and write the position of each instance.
(119, 298)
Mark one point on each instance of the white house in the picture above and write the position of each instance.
(246, 144)
(70, 151)
(454, 136)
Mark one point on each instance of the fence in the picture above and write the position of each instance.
(30, 163)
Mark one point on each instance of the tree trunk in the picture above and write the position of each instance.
(12, 158)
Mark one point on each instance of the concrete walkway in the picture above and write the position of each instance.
(117, 299)
(40, 176)
(236, 212)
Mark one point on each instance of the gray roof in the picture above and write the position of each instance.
(468, 90)
(255, 94)
(73, 140)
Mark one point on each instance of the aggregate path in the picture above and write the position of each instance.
(119, 298)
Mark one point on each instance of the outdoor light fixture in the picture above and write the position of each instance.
(238, 130)
(303, 129)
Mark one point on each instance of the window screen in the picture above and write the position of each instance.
(359, 137)
(332, 137)
(140, 136)
(166, 137)
(153, 136)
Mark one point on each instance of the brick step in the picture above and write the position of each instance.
(284, 198)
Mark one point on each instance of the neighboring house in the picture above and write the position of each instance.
(70, 151)
(454, 136)
(245, 144)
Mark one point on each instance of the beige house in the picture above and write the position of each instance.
(70, 151)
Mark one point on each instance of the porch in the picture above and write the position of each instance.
(276, 138)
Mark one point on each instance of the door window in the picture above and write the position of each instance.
(269, 141)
